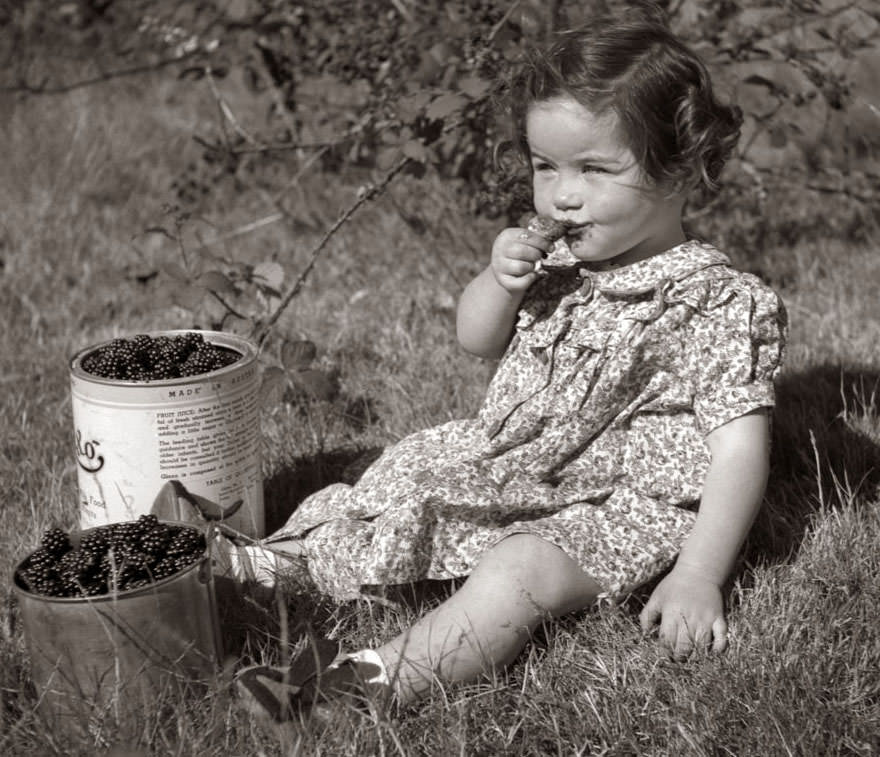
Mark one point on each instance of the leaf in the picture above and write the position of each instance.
(473, 86)
(298, 355)
(174, 502)
(186, 295)
(410, 106)
(271, 275)
(272, 385)
(386, 157)
(778, 137)
(317, 383)
(160, 230)
(416, 150)
(445, 105)
(194, 73)
(176, 272)
(216, 281)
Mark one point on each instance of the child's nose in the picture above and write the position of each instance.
(567, 196)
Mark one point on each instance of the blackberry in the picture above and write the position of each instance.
(155, 541)
(123, 534)
(186, 559)
(176, 351)
(146, 358)
(41, 557)
(186, 541)
(38, 579)
(164, 369)
(93, 588)
(134, 559)
(109, 563)
(200, 361)
(191, 340)
(95, 540)
(165, 567)
(75, 564)
(141, 342)
(116, 557)
(50, 586)
(134, 583)
(149, 522)
(39, 573)
(55, 541)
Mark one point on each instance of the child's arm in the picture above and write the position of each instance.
(488, 306)
(687, 602)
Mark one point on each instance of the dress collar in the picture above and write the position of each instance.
(675, 264)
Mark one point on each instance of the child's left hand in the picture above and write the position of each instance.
(690, 610)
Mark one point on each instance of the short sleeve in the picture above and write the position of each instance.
(738, 345)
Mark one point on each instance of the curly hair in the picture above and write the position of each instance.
(669, 116)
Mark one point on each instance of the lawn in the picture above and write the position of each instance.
(87, 173)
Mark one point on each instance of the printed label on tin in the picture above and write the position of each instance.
(208, 441)
(131, 440)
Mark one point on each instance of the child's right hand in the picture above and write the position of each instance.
(514, 254)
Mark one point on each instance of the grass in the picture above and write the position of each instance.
(86, 173)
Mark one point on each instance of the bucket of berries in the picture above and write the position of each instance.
(167, 406)
(116, 614)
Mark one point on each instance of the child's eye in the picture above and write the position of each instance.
(589, 168)
(543, 167)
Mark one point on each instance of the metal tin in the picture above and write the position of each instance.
(133, 438)
(118, 653)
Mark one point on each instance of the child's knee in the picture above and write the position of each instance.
(543, 572)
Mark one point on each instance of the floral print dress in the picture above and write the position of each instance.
(591, 436)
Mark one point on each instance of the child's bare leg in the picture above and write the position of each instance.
(485, 624)
(291, 547)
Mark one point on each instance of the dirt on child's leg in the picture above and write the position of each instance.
(520, 582)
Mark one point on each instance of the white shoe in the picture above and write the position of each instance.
(245, 563)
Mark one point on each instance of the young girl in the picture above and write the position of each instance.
(627, 427)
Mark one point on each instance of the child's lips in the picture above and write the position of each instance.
(575, 231)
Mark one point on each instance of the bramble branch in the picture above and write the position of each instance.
(44, 89)
(365, 195)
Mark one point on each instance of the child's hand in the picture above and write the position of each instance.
(690, 611)
(514, 255)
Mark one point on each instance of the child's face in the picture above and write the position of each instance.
(585, 175)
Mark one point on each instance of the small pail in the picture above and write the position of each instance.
(114, 655)
(202, 432)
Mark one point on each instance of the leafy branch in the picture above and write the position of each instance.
(365, 194)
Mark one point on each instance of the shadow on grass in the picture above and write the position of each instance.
(305, 475)
(252, 623)
(826, 454)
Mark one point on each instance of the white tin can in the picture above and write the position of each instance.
(199, 434)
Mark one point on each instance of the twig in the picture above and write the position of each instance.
(226, 111)
(846, 191)
(364, 196)
(312, 159)
(245, 229)
(43, 89)
(229, 309)
(274, 147)
(500, 25)
(277, 96)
